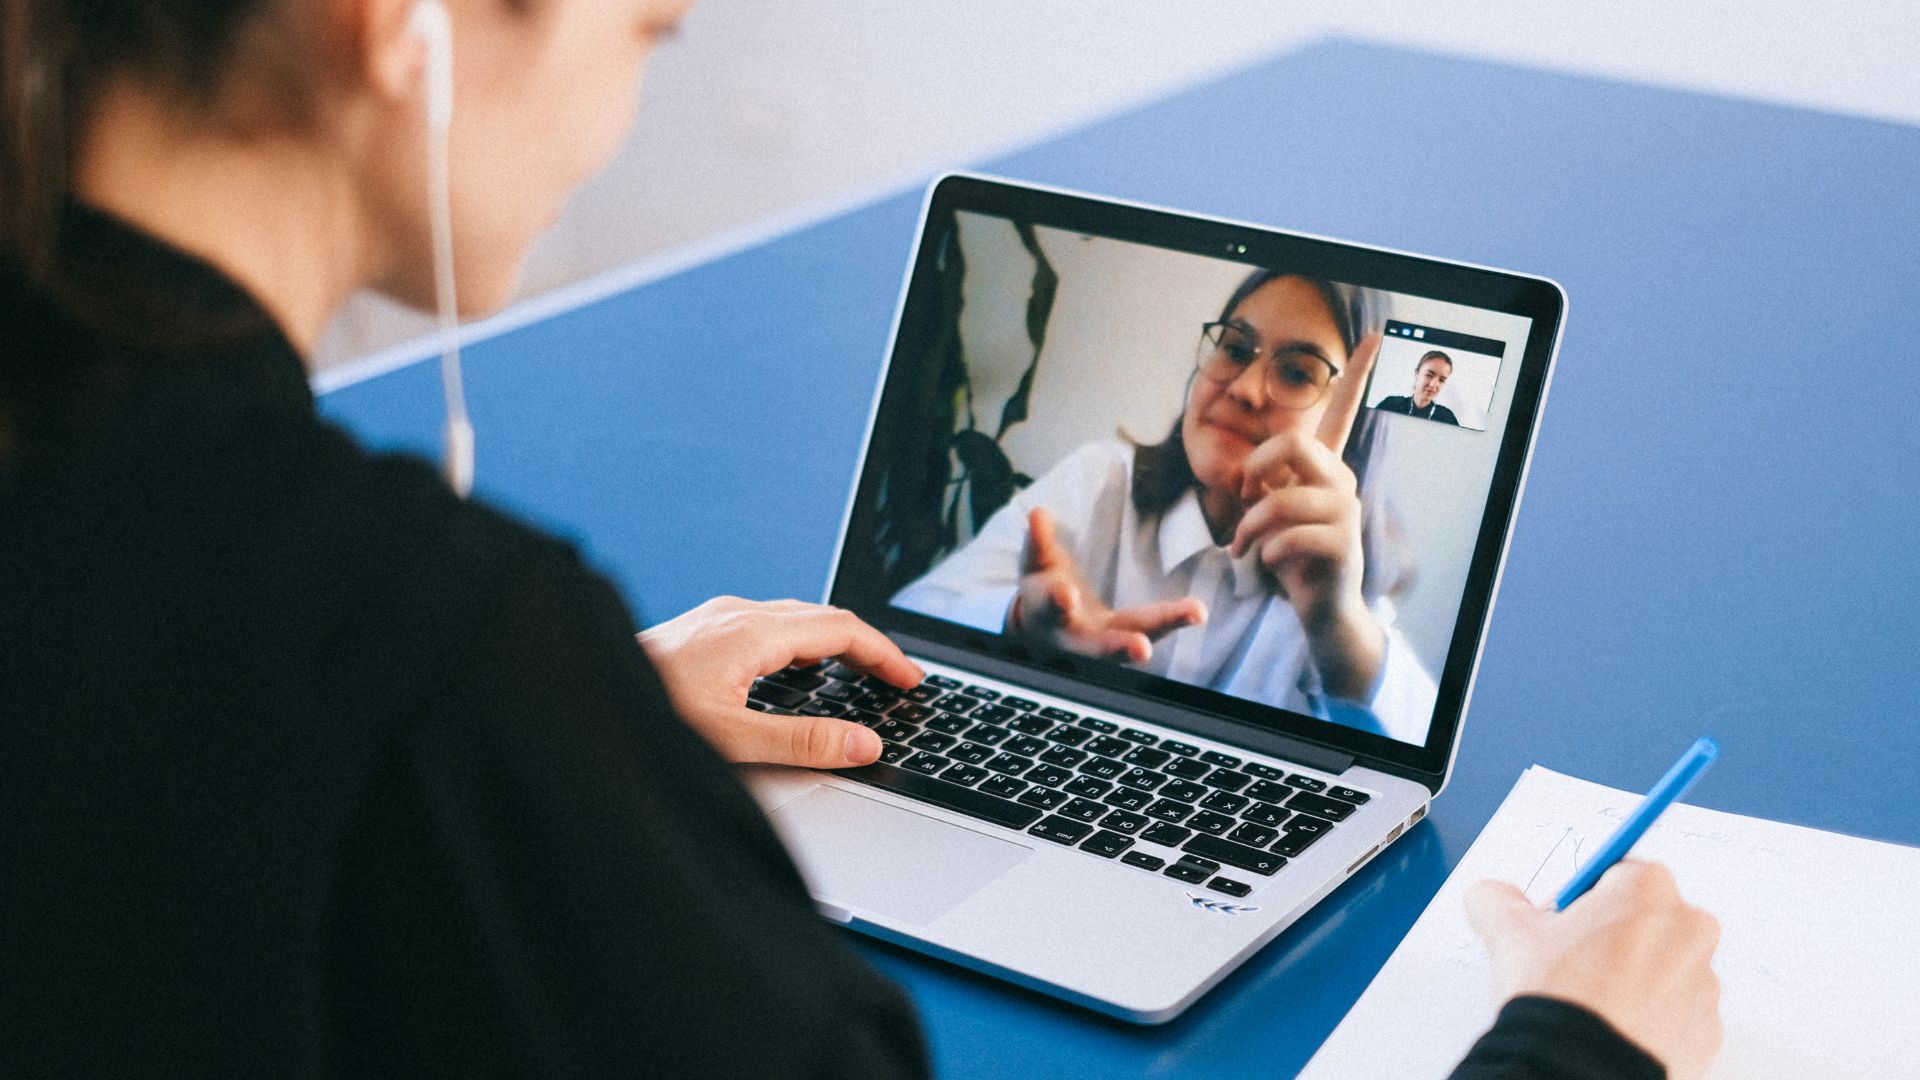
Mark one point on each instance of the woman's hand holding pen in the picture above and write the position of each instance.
(1054, 603)
(709, 657)
(1631, 950)
(1302, 517)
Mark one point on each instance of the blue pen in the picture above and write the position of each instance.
(1664, 794)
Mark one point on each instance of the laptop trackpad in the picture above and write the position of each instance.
(868, 857)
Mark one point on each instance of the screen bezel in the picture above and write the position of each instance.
(1537, 299)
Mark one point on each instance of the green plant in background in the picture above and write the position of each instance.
(947, 463)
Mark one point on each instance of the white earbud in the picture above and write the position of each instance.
(430, 23)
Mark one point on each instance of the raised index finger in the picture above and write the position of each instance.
(1344, 403)
(1043, 550)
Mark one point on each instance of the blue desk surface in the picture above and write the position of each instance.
(1718, 536)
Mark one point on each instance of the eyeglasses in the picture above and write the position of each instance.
(1295, 380)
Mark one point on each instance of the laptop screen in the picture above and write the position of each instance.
(1253, 478)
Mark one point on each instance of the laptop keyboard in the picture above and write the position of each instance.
(1113, 790)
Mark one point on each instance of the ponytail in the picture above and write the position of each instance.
(35, 147)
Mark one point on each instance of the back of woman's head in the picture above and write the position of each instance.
(56, 56)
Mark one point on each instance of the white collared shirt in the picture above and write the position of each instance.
(1251, 646)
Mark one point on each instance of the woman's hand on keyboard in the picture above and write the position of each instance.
(709, 657)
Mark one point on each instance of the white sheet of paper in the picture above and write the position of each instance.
(1819, 957)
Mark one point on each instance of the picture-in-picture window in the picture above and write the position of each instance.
(1434, 374)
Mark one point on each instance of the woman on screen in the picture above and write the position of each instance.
(1235, 553)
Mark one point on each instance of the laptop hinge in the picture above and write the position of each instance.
(1259, 740)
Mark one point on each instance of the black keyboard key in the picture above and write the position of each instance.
(1108, 746)
(1249, 859)
(1107, 844)
(1320, 805)
(1029, 724)
(1135, 735)
(1143, 860)
(909, 713)
(1023, 704)
(897, 730)
(1307, 783)
(1187, 872)
(1124, 821)
(1347, 794)
(1062, 715)
(1293, 843)
(988, 734)
(1148, 756)
(970, 752)
(1064, 756)
(931, 740)
(773, 693)
(1215, 757)
(949, 723)
(1168, 810)
(844, 693)
(1103, 767)
(964, 774)
(1044, 798)
(1172, 746)
(957, 703)
(1310, 825)
(1264, 772)
(1209, 822)
(1084, 810)
(1229, 886)
(1068, 735)
(943, 682)
(1061, 831)
(838, 670)
(1011, 764)
(1254, 835)
(1183, 791)
(1127, 798)
(796, 679)
(1050, 775)
(994, 714)
(1088, 787)
(862, 716)
(983, 693)
(1264, 814)
(1188, 769)
(1166, 835)
(1005, 787)
(761, 706)
(1144, 779)
(875, 701)
(922, 694)
(1228, 780)
(1104, 727)
(822, 708)
(1025, 746)
(948, 796)
(891, 752)
(1225, 802)
(1268, 791)
(1205, 864)
(925, 762)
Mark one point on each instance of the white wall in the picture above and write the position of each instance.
(766, 111)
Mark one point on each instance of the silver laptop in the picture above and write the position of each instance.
(1196, 526)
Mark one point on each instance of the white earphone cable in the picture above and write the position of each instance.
(430, 21)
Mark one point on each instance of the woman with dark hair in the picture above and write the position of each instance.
(1246, 519)
(309, 767)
